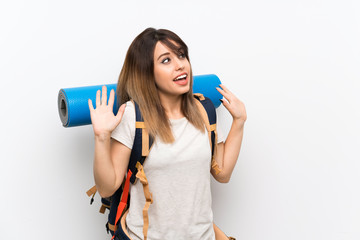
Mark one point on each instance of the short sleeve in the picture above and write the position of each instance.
(220, 135)
(125, 131)
(220, 132)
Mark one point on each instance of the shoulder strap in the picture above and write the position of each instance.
(142, 144)
(140, 150)
(208, 113)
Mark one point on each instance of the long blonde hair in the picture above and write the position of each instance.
(137, 82)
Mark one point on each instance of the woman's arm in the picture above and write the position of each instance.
(111, 157)
(227, 153)
(110, 164)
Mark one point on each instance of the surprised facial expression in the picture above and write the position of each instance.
(171, 71)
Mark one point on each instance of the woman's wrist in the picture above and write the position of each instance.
(103, 136)
(239, 122)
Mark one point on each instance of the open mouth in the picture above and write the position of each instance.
(181, 77)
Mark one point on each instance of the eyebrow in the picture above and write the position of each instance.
(167, 53)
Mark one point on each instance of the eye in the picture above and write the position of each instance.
(182, 55)
(165, 60)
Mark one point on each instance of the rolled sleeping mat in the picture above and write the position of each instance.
(73, 102)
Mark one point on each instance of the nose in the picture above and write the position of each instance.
(179, 65)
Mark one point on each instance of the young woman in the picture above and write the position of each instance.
(157, 75)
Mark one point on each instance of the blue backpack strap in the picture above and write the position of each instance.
(142, 144)
(114, 203)
(208, 112)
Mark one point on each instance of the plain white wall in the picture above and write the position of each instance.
(295, 64)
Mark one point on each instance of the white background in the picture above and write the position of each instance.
(295, 65)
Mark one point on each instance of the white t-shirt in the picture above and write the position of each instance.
(179, 180)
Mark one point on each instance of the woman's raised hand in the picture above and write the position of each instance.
(102, 117)
(233, 104)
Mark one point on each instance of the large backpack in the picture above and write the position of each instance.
(119, 201)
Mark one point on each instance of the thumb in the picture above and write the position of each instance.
(91, 107)
(120, 113)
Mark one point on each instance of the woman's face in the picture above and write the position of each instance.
(171, 71)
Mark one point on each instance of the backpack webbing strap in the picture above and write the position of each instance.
(124, 199)
(142, 143)
(148, 196)
(208, 113)
(199, 96)
(103, 208)
(91, 192)
(111, 227)
(145, 139)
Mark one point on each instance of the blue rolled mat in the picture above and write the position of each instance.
(73, 102)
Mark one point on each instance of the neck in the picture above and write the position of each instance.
(172, 106)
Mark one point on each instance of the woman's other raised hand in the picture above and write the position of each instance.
(233, 104)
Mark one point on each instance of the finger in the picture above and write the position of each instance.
(91, 107)
(97, 98)
(111, 98)
(120, 113)
(104, 96)
(225, 88)
(225, 103)
(222, 92)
